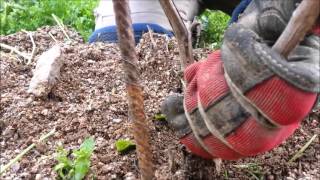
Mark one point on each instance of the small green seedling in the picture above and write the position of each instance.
(123, 146)
(226, 174)
(160, 117)
(77, 167)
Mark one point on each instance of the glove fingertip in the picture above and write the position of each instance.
(215, 56)
(316, 30)
(191, 143)
(191, 71)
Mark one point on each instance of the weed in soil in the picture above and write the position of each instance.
(78, 167)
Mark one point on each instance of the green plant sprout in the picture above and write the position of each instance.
(124, 146)
(77, 167)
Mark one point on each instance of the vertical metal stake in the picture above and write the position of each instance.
(302, 20)
(134, 89)
(180, 31)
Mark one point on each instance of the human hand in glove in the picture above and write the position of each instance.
(247, 99)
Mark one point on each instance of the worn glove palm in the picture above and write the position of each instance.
(253, 99)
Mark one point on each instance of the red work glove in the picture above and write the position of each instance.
(250, 102)
(281, 101)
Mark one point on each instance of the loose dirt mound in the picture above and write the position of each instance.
(90, 100)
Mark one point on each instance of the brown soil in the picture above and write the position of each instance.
(90, 100)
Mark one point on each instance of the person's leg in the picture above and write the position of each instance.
(239, 10)
(109, 33)
(145, 14)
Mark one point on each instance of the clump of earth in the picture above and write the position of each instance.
(89, 99)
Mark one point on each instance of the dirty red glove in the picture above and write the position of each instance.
(250, 102)
(236, 133)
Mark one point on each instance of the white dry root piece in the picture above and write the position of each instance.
(47, 71)
(218, 162)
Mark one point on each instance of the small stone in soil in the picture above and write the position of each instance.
(116, 120)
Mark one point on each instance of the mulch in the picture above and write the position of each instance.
(89, 99)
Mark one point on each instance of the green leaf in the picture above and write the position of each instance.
(59, 166)
(82, 158)
(81, 168)
(78, 167)
(124, 146)
(160, 117)
(32, 14)
(59, 169)
(214, 23)
(86, 149)
(62, 157)
(88, 145)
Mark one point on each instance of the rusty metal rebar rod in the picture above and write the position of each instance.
(302, 20)
(181, 32)
(134, 89)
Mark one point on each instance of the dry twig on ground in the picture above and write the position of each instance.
(13, 49)
(61, 26)
(300, 152)
(25, 151)
(34, 48)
